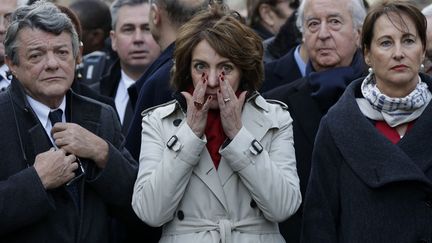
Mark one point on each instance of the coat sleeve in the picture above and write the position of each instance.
(23, 200)
(164, 172)
(321, 206)
(271, 175)
(115, 182)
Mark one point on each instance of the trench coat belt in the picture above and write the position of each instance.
(224, 226)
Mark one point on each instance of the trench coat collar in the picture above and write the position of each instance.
(372, 156)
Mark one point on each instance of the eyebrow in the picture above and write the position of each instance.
(328, 16)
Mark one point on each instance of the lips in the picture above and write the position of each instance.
(399, 67)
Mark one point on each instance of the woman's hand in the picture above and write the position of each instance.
(230, 107)
(197, 107)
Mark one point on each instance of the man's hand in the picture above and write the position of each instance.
(76, 140)
(55, 168)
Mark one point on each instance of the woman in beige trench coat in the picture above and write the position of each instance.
(217, 164)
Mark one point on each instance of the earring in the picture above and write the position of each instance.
(422, 67)
(370, 70)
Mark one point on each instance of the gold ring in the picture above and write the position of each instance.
(226, 99)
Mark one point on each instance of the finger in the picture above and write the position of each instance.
(206, 105)
(188, 97)
(242, 98)
(220, 99)
(73, 166)
(200, 90)
(58, 127)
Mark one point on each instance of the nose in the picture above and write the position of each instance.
(323, 32)
(398, 52)
(213, 78)
(51, 61)
(138, 36)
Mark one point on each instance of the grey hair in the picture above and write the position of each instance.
(116, 5)
(427, 11)
(41, 15)
(181, 11)
(356, 8)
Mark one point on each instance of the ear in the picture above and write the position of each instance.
(12, 67)
(266, 14)
(113, 40)
(358, 37)
(80, 53)
(155, 14)
(367, 57)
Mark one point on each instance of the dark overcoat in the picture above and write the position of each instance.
(28, 212)
(362, 187)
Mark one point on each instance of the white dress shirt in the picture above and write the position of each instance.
(122, 95)
(4, 82)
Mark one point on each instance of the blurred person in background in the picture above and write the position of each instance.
(95, 18)
(136, 50)
(267, 16)
(427, 12)
(165, 18)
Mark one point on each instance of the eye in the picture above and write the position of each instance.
(34, 57)
(313, 25)
(408, 41)
(227, 68)
(385, 43)
(200, 67)
(127, 30)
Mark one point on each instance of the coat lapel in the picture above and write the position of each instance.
(371, 155)
(206, 171)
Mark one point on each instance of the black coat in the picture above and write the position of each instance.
(362, 187)
(281, 71)
(155, 90)
(28, 212)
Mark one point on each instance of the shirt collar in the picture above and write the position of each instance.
(42, 111)
(300, 63)
(127, 81)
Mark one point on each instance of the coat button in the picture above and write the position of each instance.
(177, 122)
(180, 215)
(253, 204)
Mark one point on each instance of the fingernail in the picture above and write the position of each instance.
(222, 78)
(202, 75)
(219, 90)
(223, 73)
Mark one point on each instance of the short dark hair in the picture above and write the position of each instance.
(397, 7)
(93, 14)
(230, 38)
(253, 9)
(179, 11)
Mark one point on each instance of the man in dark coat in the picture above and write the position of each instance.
(154, 86)
(331, 31)
(63, 169)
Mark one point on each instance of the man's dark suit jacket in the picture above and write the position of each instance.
(155, 90)
(28, 212)
(281, 71)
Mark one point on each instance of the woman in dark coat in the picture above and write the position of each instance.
(371, 179)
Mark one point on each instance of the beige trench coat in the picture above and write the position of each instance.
(242, 201)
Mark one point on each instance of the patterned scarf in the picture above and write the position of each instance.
(395, 111)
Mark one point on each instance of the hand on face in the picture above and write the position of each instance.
(55, 168)
(230, 107)
(76, 140)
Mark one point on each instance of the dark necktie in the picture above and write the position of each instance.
(56, 116)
